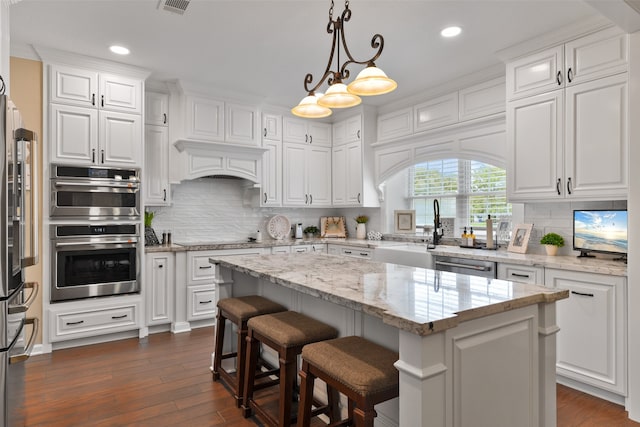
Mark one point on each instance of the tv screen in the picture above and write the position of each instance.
(602, 231)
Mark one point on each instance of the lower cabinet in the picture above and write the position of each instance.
(201, 302)
(521, 273)
(352, 251)
(591, 344)
(160, 289)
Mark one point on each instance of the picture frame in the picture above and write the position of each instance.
(520, 238)
(404, 221)
(333, 226)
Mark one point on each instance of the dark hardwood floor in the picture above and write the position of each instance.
(164, 380)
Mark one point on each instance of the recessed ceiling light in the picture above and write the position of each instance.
(119, 50)
(451, 31)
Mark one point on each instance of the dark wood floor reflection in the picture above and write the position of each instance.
(165, 380)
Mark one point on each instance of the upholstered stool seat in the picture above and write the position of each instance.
(237, 310)
(361, 370)
(286, 332)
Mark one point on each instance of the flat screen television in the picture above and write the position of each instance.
(601, 231)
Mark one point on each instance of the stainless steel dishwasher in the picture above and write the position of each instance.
(472, 267)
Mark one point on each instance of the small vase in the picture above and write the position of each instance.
(552, 250)
(361, 231)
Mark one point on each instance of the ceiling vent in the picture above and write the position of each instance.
(175, 6)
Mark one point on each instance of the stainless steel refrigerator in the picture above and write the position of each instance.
(18, 249)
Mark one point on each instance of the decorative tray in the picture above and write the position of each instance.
(333, 226)
(279, 227)
(480, 247)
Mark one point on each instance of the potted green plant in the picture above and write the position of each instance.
(311, 231)
(551, 242)
(361, 227)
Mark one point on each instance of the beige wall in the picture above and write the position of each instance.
(26, 93)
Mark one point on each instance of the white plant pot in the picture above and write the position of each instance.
(361, 231)
(552, 250)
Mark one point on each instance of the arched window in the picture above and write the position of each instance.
(467, 190)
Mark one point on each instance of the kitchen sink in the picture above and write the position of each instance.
(413, 255)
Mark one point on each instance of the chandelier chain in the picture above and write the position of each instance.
(331, 11)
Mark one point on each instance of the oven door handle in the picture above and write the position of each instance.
(467, 266)
(97, 184)
(21, 308)
(93, 244)
(17, 358)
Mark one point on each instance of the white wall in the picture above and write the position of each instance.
(206, 210)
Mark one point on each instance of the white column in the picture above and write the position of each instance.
(547, 331)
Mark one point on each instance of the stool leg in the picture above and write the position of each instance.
(288, 368)
(217, 357)
(250, 373)
(240, 362)
(364, 417)
(306, 395)
(333, 399)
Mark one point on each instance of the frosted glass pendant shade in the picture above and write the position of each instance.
(309, 108)
(372, 81)
(337, 96)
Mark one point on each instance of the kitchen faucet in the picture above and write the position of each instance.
(436, 222)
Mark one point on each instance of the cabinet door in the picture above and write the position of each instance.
(120, 139)
(241, 124)
(537, 73)
(156, 166)
(73, 86)
(319, 134)
(591, 341)
(535, 134)
(271, 127)
(161, 288)
(294, 175)
(156, 109)
(204, 119)
(74, 133)
(436, 112)
(271, 174)
(294, 130)
(348, 130)
(118, 93)
(319, 176)
(395, 125)
(597, 55)
(339, 175)
(596, 142)
(354, 174)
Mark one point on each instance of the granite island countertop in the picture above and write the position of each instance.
(416, 300)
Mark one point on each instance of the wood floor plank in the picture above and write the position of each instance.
(165, 380)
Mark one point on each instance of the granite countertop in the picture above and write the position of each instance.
(416, 300)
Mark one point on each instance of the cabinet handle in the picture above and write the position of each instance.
(358, 133)
(93, 99)
(102, 100)
(79, 322)
(364, 254)
(570, 75)
(520, 275)
(582, 294)
(310, 199)
(206, 302)
(559, 78)
(119, 317)
(310, 139)
(347, 252)
(358, 197)
(102, 156)
(164, 195)
(205, 267)
(160, 265)
(558, 186)
(265, 132)
(306, 137)
(265, 197)
(93, 155)
(164, 118)
(569, 185)
(306, 199)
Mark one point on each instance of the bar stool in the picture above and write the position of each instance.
(286, 333)
(355, 367)
(238, 311)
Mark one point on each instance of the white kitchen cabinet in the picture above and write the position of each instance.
(160, 287)
(91, 137)
(280, 250)
(351, 251)
(271, 127)
(271, 184)
(591, 343)
(156, 166)
(201, 302)
(484, 99)
(436, 112)
(395, 125)
(241, 124)
(92, 89)
(347, 130)
(570, 143)
(306, 132)
(306, 175)
(156, 109)
(209, 119)
(594, 56)
(521, 273)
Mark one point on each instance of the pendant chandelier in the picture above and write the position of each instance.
(370, 81)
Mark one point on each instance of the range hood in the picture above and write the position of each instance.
(217, 158)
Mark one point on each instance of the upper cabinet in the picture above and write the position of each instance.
(212, 119)
(271, 184)
(156, 109)
(94, 117)
(572, 142)
(306, 132)
(594, 56)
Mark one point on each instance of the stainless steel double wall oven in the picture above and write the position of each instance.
(94, 232)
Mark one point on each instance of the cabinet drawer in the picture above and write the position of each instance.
(201, 302)
(521, 273)
(281, 249)
(351, 251)
(200, 269)
(74, 324)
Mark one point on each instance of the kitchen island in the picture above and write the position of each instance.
(473, 351)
